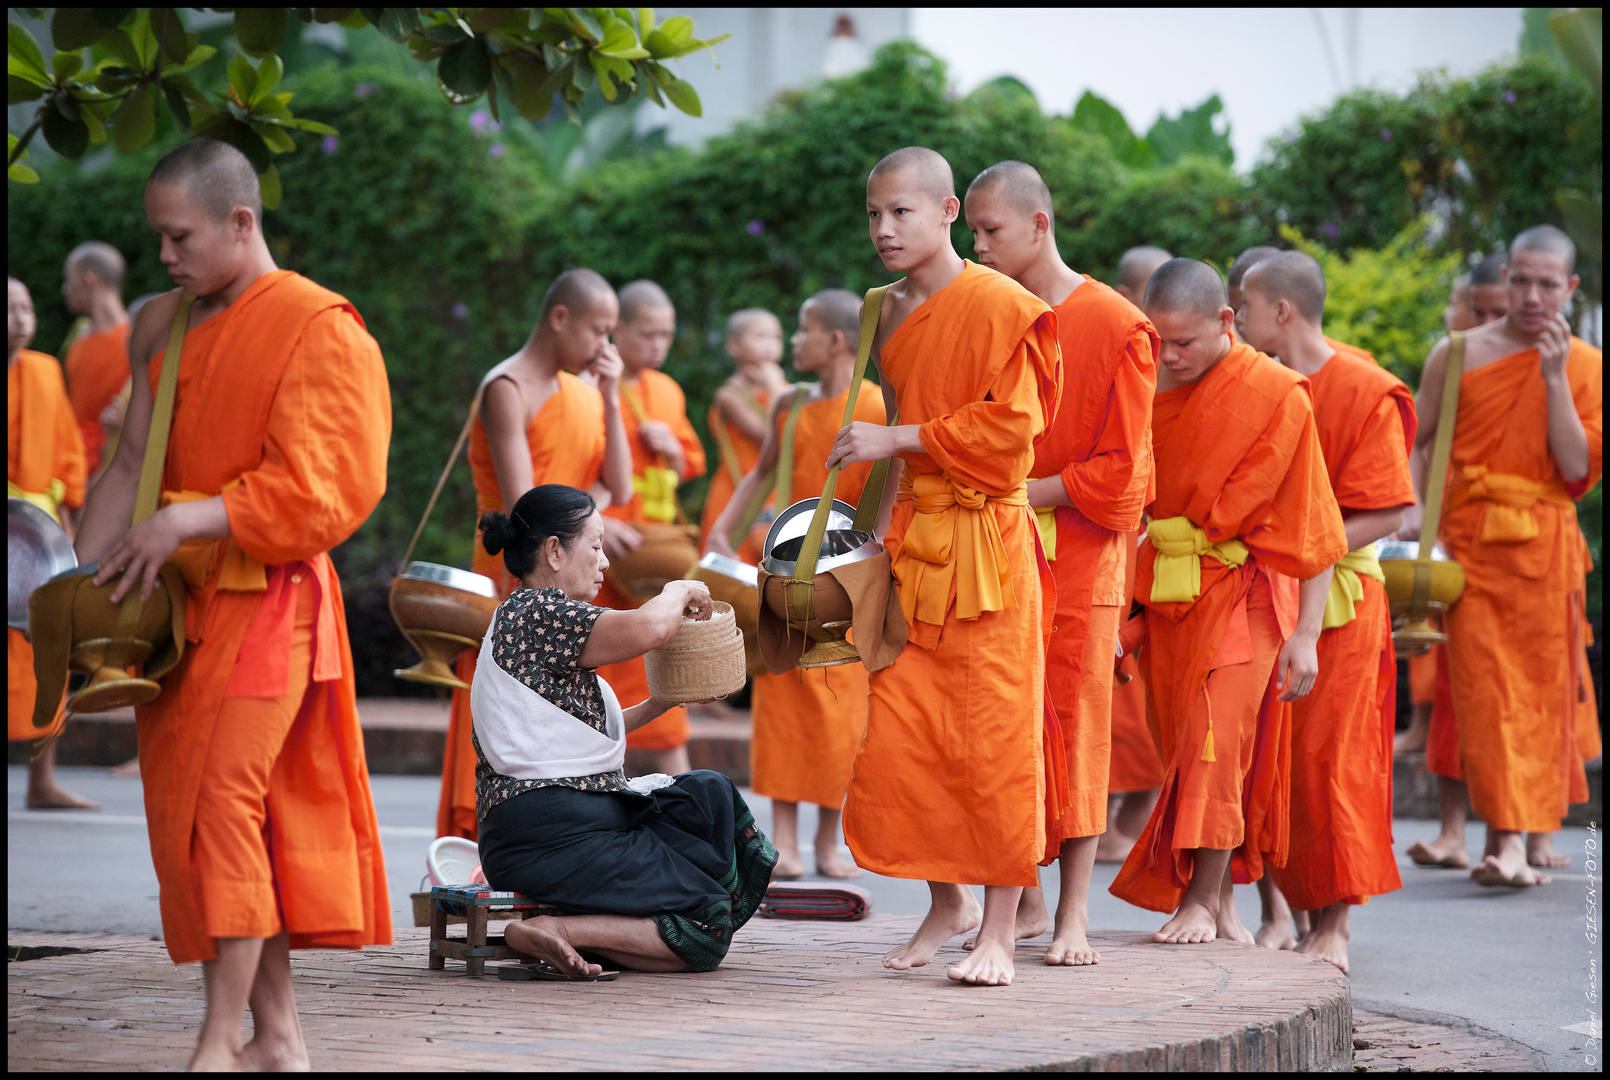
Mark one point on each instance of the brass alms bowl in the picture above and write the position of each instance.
(442, 611)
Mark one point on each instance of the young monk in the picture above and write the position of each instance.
(1341, 733)
(98, 361)
(808, 722)
(45, 465)
(539, 424)
(1526, 446)
(665, 451)
(262, 826)
(739, 414)
(1094, 474)
(1135, 772)
(1243, 507)
(1238, 270)
(949, 783)
(1135, 268)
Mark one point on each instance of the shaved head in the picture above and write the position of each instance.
(744, 318)
(640, 294)
(927, 167)
(838, 309)
(1243, 263)
(1291, 276)
(1019, 183)
(576, 291)
(101, 259)
(1545, 240)
(1490, 271)
(213, 175)
(1185, 286)
(1138, 264)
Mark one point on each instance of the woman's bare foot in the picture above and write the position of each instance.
(946, 918)
(543, 936)
(989, 964)
(51, 797)
(830, 864)
(790, 867)
(1541, 854)
(1029, 921)
(278, 1056)
(1501, 870)
(1445, 852)
(1192, 924)
(1070, 945)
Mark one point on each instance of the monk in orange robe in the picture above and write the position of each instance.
(808, 722)
(1238, 270)
(538, 424)
(1093, 474)
(665, 451)
(98, 360)
(738, 418)
(262, 827)
(1135, 268)
(45, 465)
(1527, 444)
(1233, 578)
(950, 782)
(1341, 734)
(1135, 773)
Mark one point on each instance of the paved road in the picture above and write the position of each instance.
(1516, 963)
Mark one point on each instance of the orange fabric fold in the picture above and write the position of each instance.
(722, 484)
(97, 368)
(1134, 764)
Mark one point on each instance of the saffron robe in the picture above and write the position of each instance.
(1100, 447)
(44, 456)
(566, 439)
(1134, 765)
(949, 783)
(97, 369)
(661, 399)
(1237, 453)
(809, 721)
(1514, 637)
(723, 482)
(1341, 733)
(282, 408)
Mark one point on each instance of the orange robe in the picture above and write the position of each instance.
(566, 438)
(1515, 636)
(949, 783)
(97, 369)
(1100, 446)
(809, 721)
(256, 788)
(42, 446)
(724, 480)
(1341, 733)
(1237, 453)
(661, 399)
(1135, 765)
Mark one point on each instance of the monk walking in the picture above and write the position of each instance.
(1135, 268)
(739, 415)
(45, 465)
(1093, 474)
(1243, 508)
(665, 451)
(808, 722)
(1341, 733)
(97, 361)
(1528, 443)
(538, 424)
(1135, 772)
(949, 784)
(262, 826)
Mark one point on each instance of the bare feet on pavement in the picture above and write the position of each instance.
(130, 768)
(1192, 924)
(1029, 921)
(943, 922)
(830, 864)
(54, 798)
(1231, 928)
(1070, 945)
(1113, 847)
(543, 936)
(1507, 869)
(789, 866)
(1445, 852)
(989, 964)
(260, 1055)
(1327, 944)
(1541, 854)
(1276, 933)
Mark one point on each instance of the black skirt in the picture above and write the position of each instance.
(688, 856)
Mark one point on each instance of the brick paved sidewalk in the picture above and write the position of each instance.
(791, 995)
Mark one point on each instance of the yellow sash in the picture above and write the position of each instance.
(48, 500)
(1346, 590)
(953, 537)
(1046, 519)
(657, 486)
(197, 559)
(1177, 570)
(1510, 518)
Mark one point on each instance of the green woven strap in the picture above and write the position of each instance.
(781, 476)
(149, 492)
(1437, 478)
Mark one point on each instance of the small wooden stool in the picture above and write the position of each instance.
(478, 904)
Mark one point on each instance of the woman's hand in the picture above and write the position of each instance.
(695, 598)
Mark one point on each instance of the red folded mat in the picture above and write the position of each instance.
(815, 900)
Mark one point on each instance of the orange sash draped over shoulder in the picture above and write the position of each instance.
(283, 409)
(723, 482)
(1515, 635)
(949, 782)
(97, 368)
(566, 438)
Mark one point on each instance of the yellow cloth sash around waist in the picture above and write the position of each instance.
(1510, 518)
(953, 537)
(1346, 590)
(197, 559)
(1045, 518)
(48, 500)
(1180, 545)
(657, 486)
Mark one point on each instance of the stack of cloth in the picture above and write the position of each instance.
(815, 900)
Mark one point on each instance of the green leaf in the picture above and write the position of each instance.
(170, 34)
(272, 107)
(66, 65)
(259, 30)
(679, 28)
(68, 137)
(302, 123)
(268, 183)
(660, 45)
(20, 90)
(423, 49)
(74, 28)
(107, 18)
(143, 39)
(394, 24)
(90, 114)
(466, 68)
(355, 21)
(242, 78)
(449, 33)
(333, 15)
(1192, 133)
(278, 139)
(682, 95)
(22, 174)
(618, 36)
(1584, 220)
(269, 73)
(1579, 34)
(645, 21)
(486, 20)
(117, 42)
(177, 105)
(135, 121)
(23, 56)
(585, 24)
(606, 85)
(535, 87)
(225, 128)
(198, 56)
(1101, 118)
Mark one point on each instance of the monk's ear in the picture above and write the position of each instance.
(951, 208)
(244, 221)
(1042, 224)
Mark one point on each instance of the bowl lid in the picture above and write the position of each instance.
(1410, 550)
(37, 549)
(451, 576)
(841, 544)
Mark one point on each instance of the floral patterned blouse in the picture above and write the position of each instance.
(540, 637)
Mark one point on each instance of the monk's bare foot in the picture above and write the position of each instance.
(129, 769)
(1497, 870)
(283, 1055)
(1444, 852)
(54, 798)
(789, 866)
(1276, 933)
(543, 936)
(1070, 945)
(1327, 944)
(1113, 847)
(1231, 928)
(989, 964)
(1192, 924)
(1541, 854)
(1411, 740)
(1030, 919)
(830, 864)
(943, 922)
(214, 1059)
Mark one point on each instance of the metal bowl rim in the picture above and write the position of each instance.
(798, 509)
(1387, 550)
(467, 580)
(55, 546)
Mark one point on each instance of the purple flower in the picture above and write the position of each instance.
(495, 150)
(479, 119)
(1386, 135)
(755, 227)
(330, 144)
(1329, 229)
(461, 311)
(1509, 96)
(363, 90)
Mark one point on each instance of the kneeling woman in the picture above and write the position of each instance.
(654, 873)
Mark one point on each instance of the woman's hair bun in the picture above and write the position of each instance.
(496, 531)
